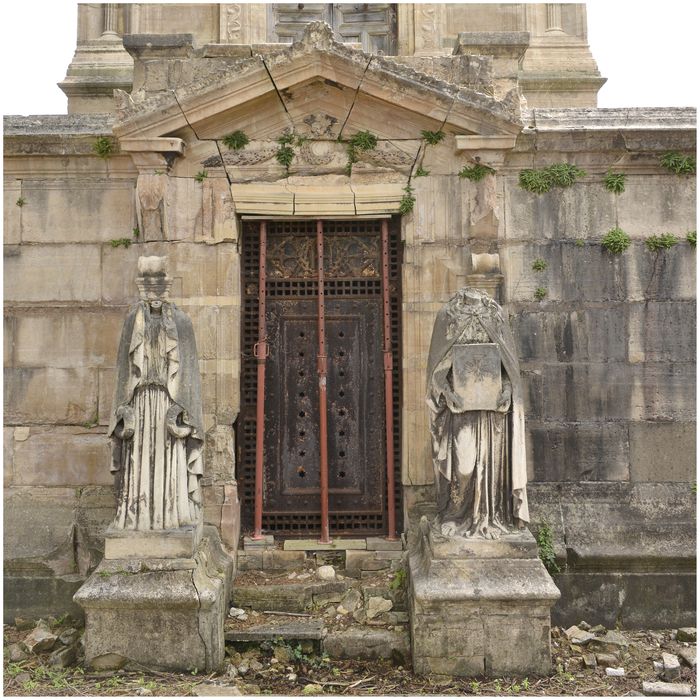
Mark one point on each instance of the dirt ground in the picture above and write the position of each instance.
(296, 671)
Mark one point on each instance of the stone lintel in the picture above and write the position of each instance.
(153, 145)
(154, 544)
(159, 45)
(500, 44)
(315, 545)
(491, 143)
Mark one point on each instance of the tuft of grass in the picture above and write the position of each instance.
(201, 176)
(692, 238)
(103, 146)
(614, 182)
(363, 141)
(545, 546)
(540, 293)
(408, 201)
(21, 201)
(432, 137)
(662, 242)
(616, 241)
(421, 172)
(475, 172)
(399, 580)
(579, 243)
(285, 152)
(120, 242)
(235, 140)
(135, 232)
(539, 265)
(678, 163)
(557, 175)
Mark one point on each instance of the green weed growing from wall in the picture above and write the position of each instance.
(408, 201)
(692, 238)
(616, 241)
(614, 182)
(678, 163)
(103, 147)
(235, 141)
(662, 242)
(432, 137)
(557, 175)
(475, 172)
(545, 545)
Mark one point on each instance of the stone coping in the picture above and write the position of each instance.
(59, 124)
(602, 118)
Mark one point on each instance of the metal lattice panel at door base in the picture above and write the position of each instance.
(353, 290)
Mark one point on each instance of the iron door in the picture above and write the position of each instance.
(356, 419)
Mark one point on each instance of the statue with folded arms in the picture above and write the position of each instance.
(477, 424)
(156, 423)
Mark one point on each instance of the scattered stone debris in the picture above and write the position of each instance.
(615, 672)
(312, 689)
(672, 667)
(690, 656)
(204, 690)
(589, 661)
(376, 606)
(326, 573)
(666, 689)
(41, 638)
(687, 634)
(238, 614)
(577, 635)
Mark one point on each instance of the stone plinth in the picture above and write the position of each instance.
(153, 544)
(479, 607)
(159, 613)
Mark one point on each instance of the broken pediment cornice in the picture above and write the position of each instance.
(278, 86)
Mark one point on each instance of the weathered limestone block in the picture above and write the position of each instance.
(50, 548)
(30, 273)
(67, 338)
(480, 607)
(650, 456)
(62, 457)
(654, 204)
(585, 210)
(662, 331)
(163, 614)
(579, 451)
(50, 395)
(12, 213)
(182, 203)
(665, 275)
(77, 210)
(368, 643)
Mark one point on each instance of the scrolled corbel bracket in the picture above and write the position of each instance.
(152, 154)
(488, 150)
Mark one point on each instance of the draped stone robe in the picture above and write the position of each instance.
(478, 456)
(156, 423)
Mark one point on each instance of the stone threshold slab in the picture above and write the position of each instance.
(304, 629)
(315, 545)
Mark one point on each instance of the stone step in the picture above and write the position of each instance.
(289, 597)
(296, 631)
(350, 642)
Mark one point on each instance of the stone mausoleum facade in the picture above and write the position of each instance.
(189, 125)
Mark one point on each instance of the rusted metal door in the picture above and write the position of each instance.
(356, 423)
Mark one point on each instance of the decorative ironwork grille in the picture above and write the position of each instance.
(352, 266)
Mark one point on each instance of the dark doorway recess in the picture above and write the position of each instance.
(355, 413)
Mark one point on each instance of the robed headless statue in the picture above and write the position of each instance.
(477, 424)
(156, 423)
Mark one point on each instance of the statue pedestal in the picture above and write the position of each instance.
(479, 607)
(153, 544)
(164, 613)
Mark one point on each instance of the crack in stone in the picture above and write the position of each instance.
(279, 94)
(354, 99)
(199, 616)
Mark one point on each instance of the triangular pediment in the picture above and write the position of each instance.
(317, 87)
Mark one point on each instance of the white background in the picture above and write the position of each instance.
(647, 50)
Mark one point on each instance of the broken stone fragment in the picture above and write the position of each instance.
(690, 656)
(326, 573)
(612, 671)
(606, 659)
(205, 690)
(108, 662)
(64, 657)
(578, 636)
(312, 689)
(41, 638)
(598, 629)
(658, 667)
(16, 653)
(666, 689)
(282, 653)
(584, 626)
(672, 667)
(24, 623)
(589, 661)
(376, 606)
(687, 634)
(69, 636)
(350, 602)
(610, 643)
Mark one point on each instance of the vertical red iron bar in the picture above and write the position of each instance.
(322, 396)
(260, 353)
(388, 387)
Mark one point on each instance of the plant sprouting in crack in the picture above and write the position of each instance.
(361, 141)
(408, 201)
(235, 140)
(664, 241)
(545, 546)
(285, 152)
(616, 241)
(432, 137)
(542, 180)
(201, 176)
(475, 172)
(614, 182)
